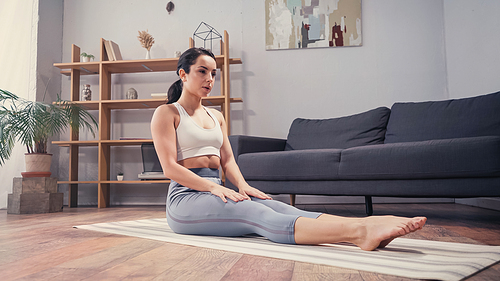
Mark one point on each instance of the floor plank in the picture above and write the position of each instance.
(205, 264)
(249, 268)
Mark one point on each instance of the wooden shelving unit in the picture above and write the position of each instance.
(105, 68)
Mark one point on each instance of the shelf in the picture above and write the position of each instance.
(85, 67)
(133, 103)
(104, 105)
(77, 143)
(146, 103)
(115, 182)
(126, 142)
(136, 181)
(77, 182)
(106, 142)
(88, 105)
(132, 66)
(218, 100)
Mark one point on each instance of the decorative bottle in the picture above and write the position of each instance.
(86, 93)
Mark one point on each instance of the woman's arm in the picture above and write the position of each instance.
(230, 167)
(165, 142)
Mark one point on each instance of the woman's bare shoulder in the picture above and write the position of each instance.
(166, 109)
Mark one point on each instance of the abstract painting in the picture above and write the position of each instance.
(293, 24)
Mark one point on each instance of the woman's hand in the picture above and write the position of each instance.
(224, 192)
(248, 191)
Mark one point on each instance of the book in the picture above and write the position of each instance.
(158, 95)
(116, 51)
(109, 51)
(112, 50)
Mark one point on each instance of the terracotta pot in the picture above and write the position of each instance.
(37, 164)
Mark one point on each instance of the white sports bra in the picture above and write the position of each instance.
(193, 140)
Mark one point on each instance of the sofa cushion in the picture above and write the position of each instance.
(319, 164)
(459, 118)
(356, 130)
(448, 158)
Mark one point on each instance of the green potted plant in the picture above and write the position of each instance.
(119, 176)
(86, 57)
(32, 123)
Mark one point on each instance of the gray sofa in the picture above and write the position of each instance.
(448, 149)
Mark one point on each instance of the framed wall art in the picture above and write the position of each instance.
(294, 24)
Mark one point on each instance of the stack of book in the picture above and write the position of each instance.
(112, 50)
(158, 95)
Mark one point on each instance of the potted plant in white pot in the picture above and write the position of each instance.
(87, 57)
(32, 123)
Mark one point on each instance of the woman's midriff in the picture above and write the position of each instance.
(205, 161)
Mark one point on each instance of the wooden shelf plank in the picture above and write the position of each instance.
(218, 100)
(132, 66)
(77, 182)
(136, 181)
(78, 143)
(146, 103)
(133, 103)
(84, 67)
(126, 142)
(154, 103)
(106, 142)
(88, 105)
(115, 182)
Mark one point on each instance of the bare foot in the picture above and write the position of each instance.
(379, 231)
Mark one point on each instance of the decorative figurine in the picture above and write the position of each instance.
(131, 94)
(86, 93)
(170, 7)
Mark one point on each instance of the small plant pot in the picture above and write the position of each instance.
(119, 177)
(85, 59)
(37, 165)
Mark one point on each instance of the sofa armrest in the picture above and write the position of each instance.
(248, 144)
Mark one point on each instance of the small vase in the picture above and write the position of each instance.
(148, 54)
(86, 93)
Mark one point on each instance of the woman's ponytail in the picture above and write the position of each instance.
(174, 92)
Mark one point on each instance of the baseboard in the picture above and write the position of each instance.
(492, 203)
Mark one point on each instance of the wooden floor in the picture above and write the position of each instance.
(46, 247)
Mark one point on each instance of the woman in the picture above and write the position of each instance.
(192, 144)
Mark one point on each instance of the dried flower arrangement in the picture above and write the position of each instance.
(146, 39)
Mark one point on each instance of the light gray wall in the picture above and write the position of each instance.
(31, 43)
(472, 47)
(473, 57)
(402, 59)
(18, 52)
(49, 51)
(412, 51)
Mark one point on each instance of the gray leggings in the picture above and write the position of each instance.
(202, 213)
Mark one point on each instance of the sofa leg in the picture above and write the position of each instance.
(369, 206)
(292, 199)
